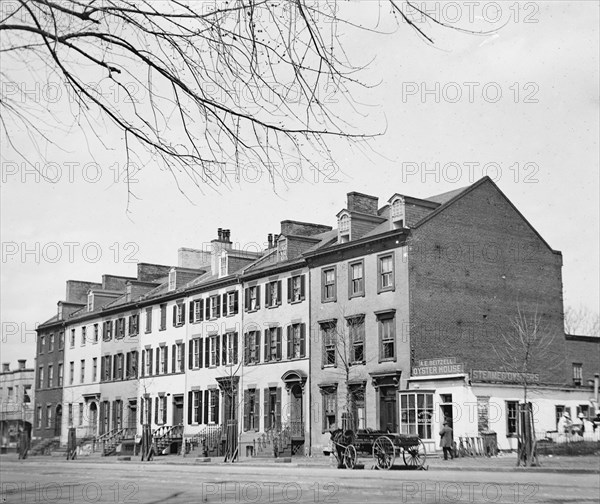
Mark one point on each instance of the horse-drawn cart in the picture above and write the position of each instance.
(384, 447)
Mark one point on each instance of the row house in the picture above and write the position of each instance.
(391, 320)
(16, 404)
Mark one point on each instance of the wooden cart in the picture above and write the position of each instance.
(384, 447)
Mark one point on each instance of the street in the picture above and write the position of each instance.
(59, 481)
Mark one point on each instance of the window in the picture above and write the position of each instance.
(71, 372)
(160, 412)
(134, 322)
(387, 336)
(163, 358)
(27, 393)
(230, 303)
(80, 417)
(196, 350)
(213, 307)
(163, 317)
(577, 374)
(296, 289)
(38, 417)
(107, 327)
(213, 349)
(70, 414)
(272, 407)
(72, 339)
(42, 343)
(583, 409)
(118, 367)
(83, 335)
(48, 416)
(50, 382)
(558, 413)
(385, 269)
(106, 368)
(356, 281)
(512, 418)
(214, 406)
(148, 363)
(252, 347)
(356, 333)
(61, 340)
(10, 394)
(132, 364)
(296, 341)
(120, 329)
(252, 298)
(60, 374)
(94, 369)
(273, 344)
(328, 336)
(96, 335)
(149, 319)
(178, 358)
(197, 310)
(251, 409)
(273, 294)
(357, 407)
(82, 371)
(196, 407)
(328, 283)
(416, 414)
(329, 408)
(51, 343)
(230, 348)
(178, 314)
(172, 280)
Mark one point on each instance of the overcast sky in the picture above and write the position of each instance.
(541, 136)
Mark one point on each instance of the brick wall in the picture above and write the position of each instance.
(289, 227)
(414, 213)
(363, 203)
(77, 290)
(151, 272)
(584, 350)
(470, 266)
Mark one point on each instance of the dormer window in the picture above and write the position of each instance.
(344, 228)
(172, 280)
(397, 215)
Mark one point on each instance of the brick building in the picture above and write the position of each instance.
(396, 319)
(16, 403)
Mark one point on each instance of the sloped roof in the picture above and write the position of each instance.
(447, 196)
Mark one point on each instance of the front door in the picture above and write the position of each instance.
(93, 419)
(388, 409)
(296, 418)
(177, 410)
(58, 421)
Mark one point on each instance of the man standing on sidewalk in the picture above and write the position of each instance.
(446, 441)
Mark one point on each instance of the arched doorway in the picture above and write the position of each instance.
(93, 425)
(58, 421)
(295, 381)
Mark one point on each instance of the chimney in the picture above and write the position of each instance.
(226, 235)
(270, 240)
(363, 203)
(22, 363)
(275, 239)
(220, 234)
(5, 367)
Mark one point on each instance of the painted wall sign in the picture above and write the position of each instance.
(447, 365)
(504, 376)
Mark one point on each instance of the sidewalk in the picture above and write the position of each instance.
(585, 464)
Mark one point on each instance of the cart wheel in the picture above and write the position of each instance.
(384, 452)
(350, 457)
(414, 456)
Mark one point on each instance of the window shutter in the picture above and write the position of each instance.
(302, 340)
(135, 358)
(165, 349)
(116, 367)
(102, 369)
(224, 349)
(174, 315)
(278, 407)
(279, 343)
(191, 355)
(225, 305)
(289, 289)
(266, 412)
(380, 329)
(323, 354)
(198, 418)
(164, 415)
(190, 406)
(182, 369)
(206, 405)
(267, 294)
(158, 351)
(108, 363)
(257, 410)
(246, 349)
(201, 309)
(235, 302)
(102, 418)
(257, 346)
(200, 351)
(335, 284)
(114, 414)
(207, 309)
(156, 410)
(218, 299)
(183, 313)
(141, 411)
(302, 287)
(322, 286)
(290, 343)
(173, 356)
(246, 410)
(393, 333)
(149, 352)
(246, 299)
(217, 341)
(279, 283)
(191, 314)
(235, 348)
(207, 353)
(257, 297)
(216, 392)
(267, 345)
(128, 365)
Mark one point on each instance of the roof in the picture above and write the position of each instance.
(447, 196)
